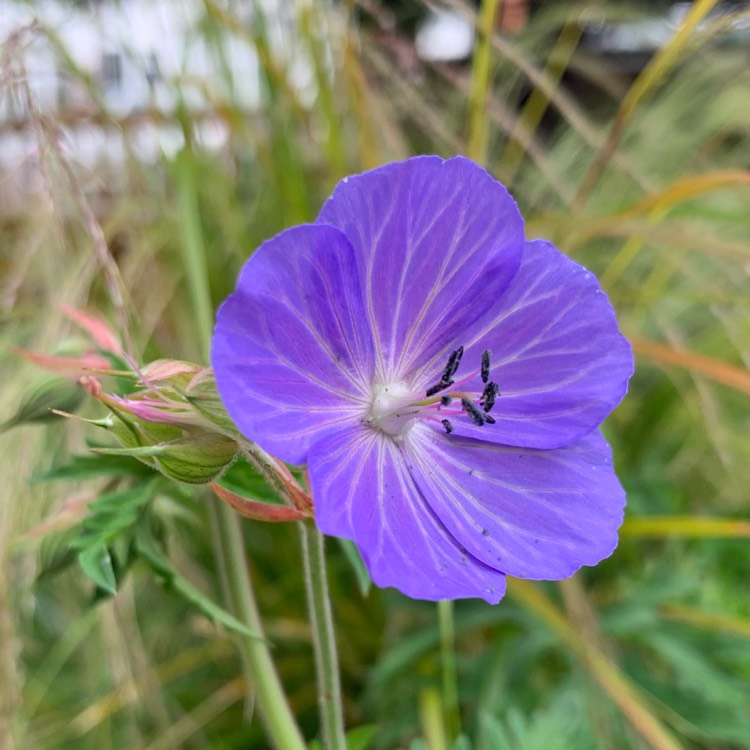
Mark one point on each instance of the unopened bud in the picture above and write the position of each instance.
(197, 459)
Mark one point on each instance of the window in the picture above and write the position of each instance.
(153, 73)
(111, 71)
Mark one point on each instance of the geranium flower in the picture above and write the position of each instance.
(442, 379)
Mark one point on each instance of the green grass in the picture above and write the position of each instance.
(650, 649)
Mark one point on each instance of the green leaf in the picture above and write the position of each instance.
(147, 548)
(494, 736)
(87, 466)
(462, 743)
(56, 553)
(360, 738)
(355, 561)
(110, 525)
(112, 514)
(557, 725)
(97, 565)
(241, 477)
(51, 393)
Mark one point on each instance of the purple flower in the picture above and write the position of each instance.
(442, 379)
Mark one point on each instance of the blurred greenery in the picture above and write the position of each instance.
(642, 177)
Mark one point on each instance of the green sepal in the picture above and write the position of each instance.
(205, 399)
(198, 459)
(186, 454)
(132, 432)
(213, 410)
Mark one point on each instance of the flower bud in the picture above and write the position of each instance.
(160, 426)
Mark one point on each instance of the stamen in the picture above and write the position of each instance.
(453, 362)
(491, 391)
(476, 415)
(486, 354)
(433, 389)
(431, 408)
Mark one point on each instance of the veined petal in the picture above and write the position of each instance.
(292, 357)
(557, 354)
(363, 491)
(440, 241)
(538, 514)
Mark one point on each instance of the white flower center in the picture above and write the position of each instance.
(392, 409)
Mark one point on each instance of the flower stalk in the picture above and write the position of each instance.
(274, 709)
(324, 639)
(447, 630)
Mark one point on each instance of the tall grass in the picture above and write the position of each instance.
(644, 181)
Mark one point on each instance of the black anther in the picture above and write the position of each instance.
(491, 391)
(476, 415)
(486, 354)
(433, 389)
(453, 362)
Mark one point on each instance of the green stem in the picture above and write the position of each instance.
(448, 660)
(324, 639)
(235, 578)
(193, 249)
(480, 81)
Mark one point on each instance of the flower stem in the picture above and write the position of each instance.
(274, 709)
(324, 640)
(448, 661)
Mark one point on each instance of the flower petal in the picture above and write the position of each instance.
(530, 513)
(557, 354)
(292, 358)
(363, 491)
(440, 241)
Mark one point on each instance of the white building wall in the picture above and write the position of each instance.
(154, 53)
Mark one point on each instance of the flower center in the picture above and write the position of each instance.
(392, 409)
(395, 408)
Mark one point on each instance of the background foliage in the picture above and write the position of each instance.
(644, 178)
